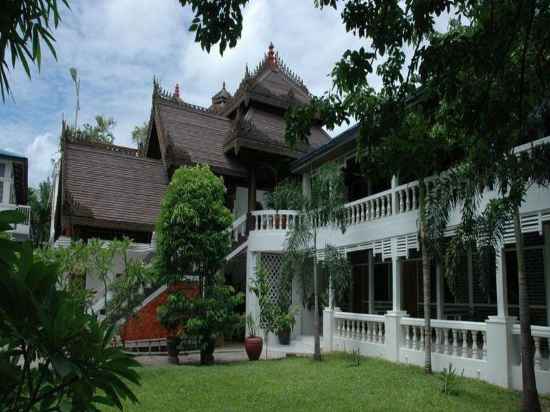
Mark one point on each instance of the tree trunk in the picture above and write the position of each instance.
(426, 281)
(316, 323)
(530, 397)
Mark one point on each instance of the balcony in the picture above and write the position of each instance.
(21, 231)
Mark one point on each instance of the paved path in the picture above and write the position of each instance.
(221, 355)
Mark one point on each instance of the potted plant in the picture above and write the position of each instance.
(286, 196)
(284, 323)
(253, 344)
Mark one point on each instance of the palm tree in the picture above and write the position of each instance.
(322, 206)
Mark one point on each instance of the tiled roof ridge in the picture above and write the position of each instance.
(111, 148)
(166, 97)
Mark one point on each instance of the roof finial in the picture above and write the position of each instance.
(177, 91)
(271, 54)
(246, 72)
(223, 87)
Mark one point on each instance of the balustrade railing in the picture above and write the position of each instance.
(274, 219)
(360, 327)
(541, 338)
(454, 338)
(238, 229)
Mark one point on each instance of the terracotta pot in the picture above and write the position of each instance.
(253, 346)
(284, 337)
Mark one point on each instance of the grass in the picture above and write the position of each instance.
(300, 384)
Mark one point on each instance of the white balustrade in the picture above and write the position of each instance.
(274, 219)
(238, 228)
(359, 327)
(541, 338)
(453, 338)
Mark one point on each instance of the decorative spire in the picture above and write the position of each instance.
(271, 59)
(177, 91)
(246, 72)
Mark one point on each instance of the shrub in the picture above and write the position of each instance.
(53, 355)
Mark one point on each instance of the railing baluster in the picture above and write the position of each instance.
(475, 348)
(538, 355)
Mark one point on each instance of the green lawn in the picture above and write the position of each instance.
(302, 384)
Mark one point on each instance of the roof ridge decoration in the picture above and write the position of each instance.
(165, 95)
(274, 61)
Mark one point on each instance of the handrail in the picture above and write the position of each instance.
(538, 331)
(359, 316)
(445, 324)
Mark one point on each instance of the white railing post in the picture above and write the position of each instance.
(328, 329)
(499, 343)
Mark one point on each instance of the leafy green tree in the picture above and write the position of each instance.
(192, 229)
(139, 134)
(39, 201)
(193, 239)
(54, 356)
(24, 25)
(322, 206)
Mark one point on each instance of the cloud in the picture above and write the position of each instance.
(41, 152)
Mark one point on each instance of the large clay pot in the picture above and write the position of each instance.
(284, 337)
(253, 346)
(172, 343)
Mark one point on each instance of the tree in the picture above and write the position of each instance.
(39, 201)
(54, 355)
(322, 206)
(101, 132)
(24, 25)
(192, 229)
(193, 238)
(139, 134)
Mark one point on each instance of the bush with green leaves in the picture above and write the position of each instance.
(205, 317)
(193, 227)
(54, 356)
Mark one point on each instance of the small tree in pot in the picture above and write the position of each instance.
(284, 323)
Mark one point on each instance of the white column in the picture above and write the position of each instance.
(251, 302)
(371, 281)
(440, 290)
(396, 284)
(328, 329)
(501, 283)
(499, 330)
(547, 270)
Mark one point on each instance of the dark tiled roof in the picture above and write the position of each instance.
(191, 134)
(347, 136)
(110, 186)
(272, 128)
